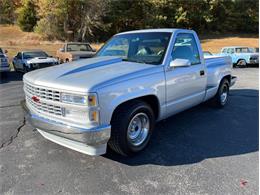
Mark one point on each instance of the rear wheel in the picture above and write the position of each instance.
(221, 98)
(132, 126)
(241, 63)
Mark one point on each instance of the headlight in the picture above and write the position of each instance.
(86, 100)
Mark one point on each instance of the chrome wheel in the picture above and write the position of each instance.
(224, 94)
(138, 129)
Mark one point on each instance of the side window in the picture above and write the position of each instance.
(230, 50)
(185, 47)
(224, 50)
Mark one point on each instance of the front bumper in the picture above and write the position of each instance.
(89, 141)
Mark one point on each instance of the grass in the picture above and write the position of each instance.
(14, 40)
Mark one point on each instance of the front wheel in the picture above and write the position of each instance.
(221, 98)
(132, 126)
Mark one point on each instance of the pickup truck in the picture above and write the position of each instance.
(136, 79)
(241, 56)
(72, 51)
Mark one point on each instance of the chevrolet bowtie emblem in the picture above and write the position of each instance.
(35, 99)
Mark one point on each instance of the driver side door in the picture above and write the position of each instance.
(185, 85)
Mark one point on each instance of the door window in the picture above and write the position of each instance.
(185, 47)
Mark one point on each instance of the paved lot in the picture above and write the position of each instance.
(200, 151)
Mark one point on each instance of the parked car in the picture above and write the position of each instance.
(74, 51)
(241, 56)
(4, 62)
(26, 61)
(207, 54)
(117, 99)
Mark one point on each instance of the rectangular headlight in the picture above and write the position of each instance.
(86, 100)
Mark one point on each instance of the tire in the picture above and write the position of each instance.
(242, 63)
(221, 98)
(127, 136)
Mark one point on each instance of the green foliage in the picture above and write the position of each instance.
(27, 16)
(97, 20)
(7, 15)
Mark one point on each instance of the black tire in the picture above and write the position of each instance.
(119, 141)
(218, 98)
(242, 63)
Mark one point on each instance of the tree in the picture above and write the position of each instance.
(27, 16)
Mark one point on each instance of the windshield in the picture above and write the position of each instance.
(146, 48)
(34, 54)
(78, 47)
(243, 50)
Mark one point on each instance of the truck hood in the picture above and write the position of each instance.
(86, 75)
(40, 60)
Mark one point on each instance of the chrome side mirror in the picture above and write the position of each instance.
(180, 63)
(61, 49)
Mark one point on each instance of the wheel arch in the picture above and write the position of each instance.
(240, 59)
(152, 100)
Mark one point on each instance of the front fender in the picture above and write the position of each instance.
(113, 95)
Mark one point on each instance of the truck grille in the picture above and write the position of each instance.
(44, 107)
(43, 94)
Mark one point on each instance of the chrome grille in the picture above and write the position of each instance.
(42, 93)
(47, 99)
(44, 107)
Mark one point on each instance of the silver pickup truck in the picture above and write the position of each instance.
(135, 79)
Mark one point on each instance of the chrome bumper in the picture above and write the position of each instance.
(79, 139)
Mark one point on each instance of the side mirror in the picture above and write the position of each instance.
(61, 49)
(6, 51)
(94, 50)
(180, 63)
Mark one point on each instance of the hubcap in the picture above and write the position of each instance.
(224, 94)
(138, 129)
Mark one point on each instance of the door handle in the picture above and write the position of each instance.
(202, 73)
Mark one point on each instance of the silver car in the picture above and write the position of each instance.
(26, 61)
